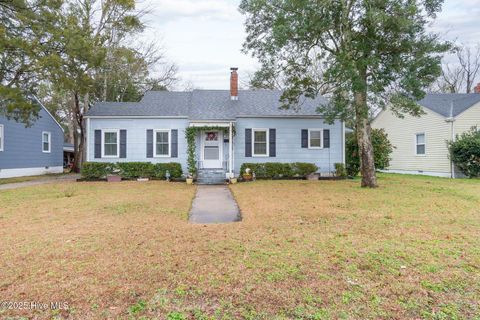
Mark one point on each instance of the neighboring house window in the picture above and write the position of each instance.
(110, 145)
(420, 144)
(260, 142)
(46, 141)
(315, 140)
(162, 143)
(1, 137)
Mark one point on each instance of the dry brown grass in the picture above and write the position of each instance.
(304, 250)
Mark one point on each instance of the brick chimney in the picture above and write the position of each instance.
(234, 84)
(477, 88)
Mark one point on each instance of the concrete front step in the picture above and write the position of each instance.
(211, 176)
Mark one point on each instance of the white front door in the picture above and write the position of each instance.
(212, 142)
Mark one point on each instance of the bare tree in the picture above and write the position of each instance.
(469, 60)
(461, 75)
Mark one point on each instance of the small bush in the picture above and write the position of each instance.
(96, 170)
(134, 170)
(465, 152)
(382, 148)
(340, 170)
(303, 169)
(174, 168)
(270, 170)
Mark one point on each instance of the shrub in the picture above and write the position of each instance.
(133, 170)
(96, 170)
(174, 168)
(340, 170)
(465, 152)
(303, 169)
(382, 148)
(270, 170)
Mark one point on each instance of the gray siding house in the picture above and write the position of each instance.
(255, 130)
(35, 150)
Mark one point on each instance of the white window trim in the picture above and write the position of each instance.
(117, 131)
(267, 142)
(155, 143)
(424, 143)
(49, 141)
(2, 134)
(321, 138)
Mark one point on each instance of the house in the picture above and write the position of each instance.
(239, 126)
(34, 150)
(421, 142)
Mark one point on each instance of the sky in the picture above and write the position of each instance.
(204, 37)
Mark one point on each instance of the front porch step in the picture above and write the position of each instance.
(211, 176)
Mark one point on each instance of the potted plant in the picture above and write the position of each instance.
(247, 175)
(190, 179)
(233, 180)
(114, 176)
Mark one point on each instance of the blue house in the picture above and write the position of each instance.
(246, 126)
(34, 150)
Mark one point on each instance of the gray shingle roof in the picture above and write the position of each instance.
(442, 102)
(207, 105)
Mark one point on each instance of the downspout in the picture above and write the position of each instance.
(451, 120)
(230, 150)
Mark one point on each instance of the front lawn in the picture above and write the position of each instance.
(304, 250)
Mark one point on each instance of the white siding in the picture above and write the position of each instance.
(402, 133)
(468, 119)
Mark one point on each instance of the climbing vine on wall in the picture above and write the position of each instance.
(190, 134)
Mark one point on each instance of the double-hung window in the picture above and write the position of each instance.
(2, 139)
(315, 140)
(46, 141)
(260, 142)
(110, 143)
(420, 144)
(162, 143)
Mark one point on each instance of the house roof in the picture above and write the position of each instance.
(207, 105)
(449, 104)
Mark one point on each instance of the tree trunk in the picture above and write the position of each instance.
(78, 134)
(365, 147)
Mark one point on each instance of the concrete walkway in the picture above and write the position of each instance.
(40, 181)
(214, 204)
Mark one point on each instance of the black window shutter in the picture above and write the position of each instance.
(150, 143)
(248, 142)
(326, 138)
(98, 144)
(174, 143)
(123, 143)
(272, 136)
(304, 138)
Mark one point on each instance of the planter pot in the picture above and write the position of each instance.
(142, 179)
(313, 176)
(233, 180)
(247, 177)
(114, 178)
(189, 181)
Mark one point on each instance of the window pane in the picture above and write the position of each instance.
(45, 137)
(45, 146)
(110, 149)
(315, 134)
(315, 143)
(260, 148)
(260, 136)
(162, 137)
(110, 137)
(421, 149)
(162, 149)
(211, 153)
(420, 138)
(211, 136)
